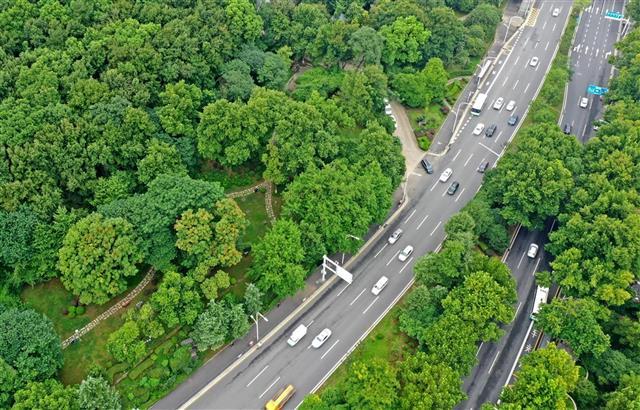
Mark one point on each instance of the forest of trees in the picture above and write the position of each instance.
(110, 111)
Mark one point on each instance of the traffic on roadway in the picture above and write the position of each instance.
(350, 311)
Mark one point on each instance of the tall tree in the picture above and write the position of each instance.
(177, 300)
(366, 46)
(95, 393)
(97, 256)
(49, 394)
(403, 40)
(125, 344)
(626, 396)
(371, 384)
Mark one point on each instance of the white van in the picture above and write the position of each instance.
(297, 334)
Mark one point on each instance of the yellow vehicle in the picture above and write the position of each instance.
(280, 399)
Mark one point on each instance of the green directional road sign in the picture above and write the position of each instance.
(614, 15)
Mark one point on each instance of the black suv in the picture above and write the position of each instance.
(483, 167)
(513, 120)
(427, 166)
(491, 129)
(453, 188)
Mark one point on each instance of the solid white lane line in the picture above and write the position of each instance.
(359, 294)
(405, 265)
(459, 195)
(436, 228)
(329, 349)
(494, 361)
(544, 25)
(554, 28)
(505, 80)
(515, 84)
(393, 257)
(310, 323)
(490, 150)
(515, 363)
(409, 217)
(343, 289)
(516, 62)
(433, 187)
(468, 159)
(517, 310)
(420, 224)
(371, 304)
(547, 46)
(520, 263)
(527, 87)
(498, 137)
(257, 375)
(268, 388)
(479, 347)
(458, 153)
(385, 245)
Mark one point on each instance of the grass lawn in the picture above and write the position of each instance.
(254, 208)
(432, 110)
(385, 341)
(239, 273)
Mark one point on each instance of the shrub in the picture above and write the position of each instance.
(424, 143)
(115, 369)
(139, 369)
(71, 311)
(80, 310)
(180, 359)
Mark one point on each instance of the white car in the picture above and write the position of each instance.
(406, 252)
(584, 102)
(510, 105)
(533, 250)
(446, 174)
(395, 236)
(387, 109)
(296, 335)
(321, 338)
(478, 129)
(498, 104)
(534, 61)
(380, 284)
(556, 12)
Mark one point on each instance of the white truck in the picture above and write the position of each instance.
(542, 294)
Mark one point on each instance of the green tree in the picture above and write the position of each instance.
(411, 89)
(485, 15)
(252, 299)
(626, 396)
(452, 342)
(8, 383)
(213, 284)
(371, 385)
(277, 260)
(125, 344)
(425, 385)
(236, 80)
(330, 46)
(177, 300)
(422, 308)
(435, 77)
(482, 302)
(218, 323)
(575, 321)
(95, 393)
(49, 394)
(447, 36)
(274, 73)
(460, 223)
(446, 268)
(403, 40)
(161, 158)
(29, 346)
(544, 379)
(97, 256)
(179, 109)
(366, 46)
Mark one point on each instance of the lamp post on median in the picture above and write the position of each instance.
(509, 26)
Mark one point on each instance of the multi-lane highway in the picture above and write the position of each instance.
(350, 311)
(593, 44)
(497, 361)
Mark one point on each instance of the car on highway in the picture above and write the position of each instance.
(533, 250)
(380, 284)
(321, 338)
(453, 188)
(567, 129)
(584, 102)
(490, 130)
(478, 129)
(406, 252)
(297, 335)
(510, 105)
(446, 174)
(534, 61)
(483, 166)
(498, 103)
(513, 120)
(281, 398)
(395, 236)
(427, 166)
(555, 12)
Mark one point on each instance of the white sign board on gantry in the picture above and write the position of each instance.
(339, 271)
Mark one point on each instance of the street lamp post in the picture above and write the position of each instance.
(508, 27)
(257, 321)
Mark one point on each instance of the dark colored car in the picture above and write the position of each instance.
(513, 120)
(453, 188)
(427, 166)
(483, 167)
(567, 129)
(491, 129)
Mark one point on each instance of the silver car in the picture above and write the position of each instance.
(395, 236)
(406, 252)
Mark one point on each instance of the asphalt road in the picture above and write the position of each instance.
(496, 360)
(350, 311)
(593, 45)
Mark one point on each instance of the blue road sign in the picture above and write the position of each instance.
(595, 90)
(614, 15)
